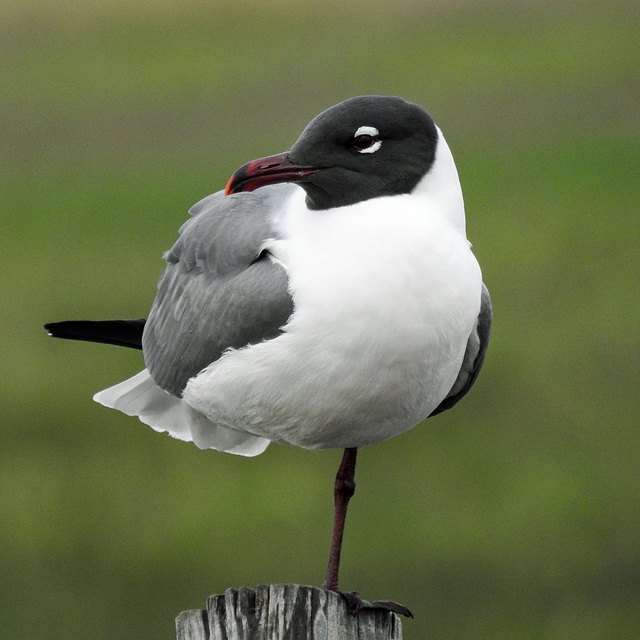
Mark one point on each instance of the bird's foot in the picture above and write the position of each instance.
(355, 603)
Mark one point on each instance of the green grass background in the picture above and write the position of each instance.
(517, 515)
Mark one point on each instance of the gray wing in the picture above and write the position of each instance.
(219, 289)
(473, 355)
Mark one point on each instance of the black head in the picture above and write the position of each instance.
(361, 148)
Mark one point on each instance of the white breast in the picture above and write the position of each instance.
(386, 293)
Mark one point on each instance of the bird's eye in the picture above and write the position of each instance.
(366, 140)
(363, 142)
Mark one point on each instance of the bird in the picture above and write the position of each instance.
(328, 297)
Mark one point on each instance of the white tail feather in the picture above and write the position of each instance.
(140, 396)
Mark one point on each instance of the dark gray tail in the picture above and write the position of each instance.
(124, 333)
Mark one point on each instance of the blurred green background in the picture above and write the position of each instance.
(516, 515)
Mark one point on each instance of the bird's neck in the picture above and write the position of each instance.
(441, 186)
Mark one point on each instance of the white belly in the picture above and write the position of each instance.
(384, 305)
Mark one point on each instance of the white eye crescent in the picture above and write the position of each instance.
(366, 140)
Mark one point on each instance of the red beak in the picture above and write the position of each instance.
(265, 171)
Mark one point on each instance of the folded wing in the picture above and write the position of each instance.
(473, 356)
(220, 289)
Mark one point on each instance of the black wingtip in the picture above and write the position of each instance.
(50, 328)
(123, 333)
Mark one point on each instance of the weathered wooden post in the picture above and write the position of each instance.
(284, 612)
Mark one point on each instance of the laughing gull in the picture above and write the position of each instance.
(327, 298)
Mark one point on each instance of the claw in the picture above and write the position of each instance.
(389, 605)
(355, 603)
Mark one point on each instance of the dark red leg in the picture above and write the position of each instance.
(343, 490)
